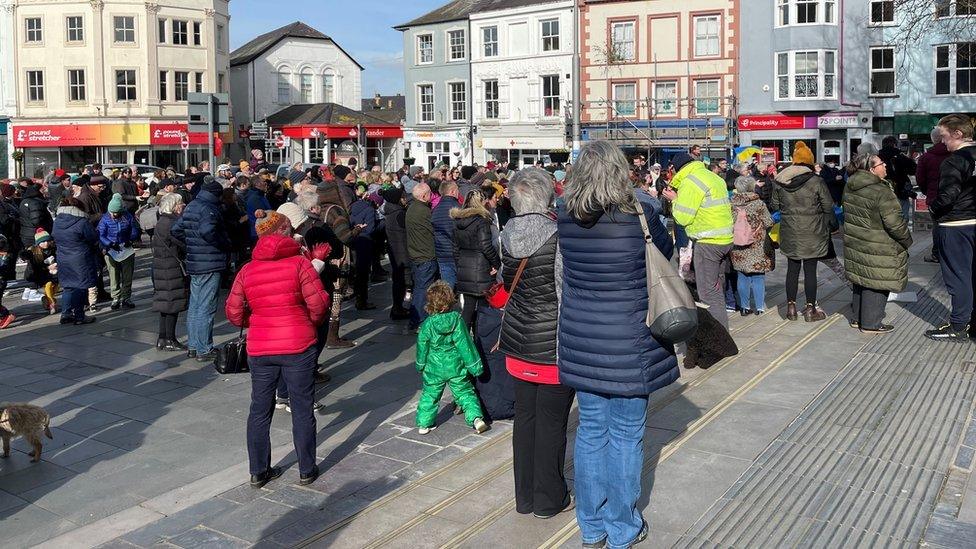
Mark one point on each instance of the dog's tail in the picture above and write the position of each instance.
(47, 431)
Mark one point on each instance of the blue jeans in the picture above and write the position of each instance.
(297, 371)
(322, 336)
(680, 237)
(424, 275)
(609, 457)
(73, 303)
(754, 285)
(200, 313)
(448, 270)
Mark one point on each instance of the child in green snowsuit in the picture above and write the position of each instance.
(446, 355)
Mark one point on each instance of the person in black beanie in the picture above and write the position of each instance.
(464, 184)
(346, 180)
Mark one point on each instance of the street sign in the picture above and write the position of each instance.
(259, 130)
(204, 109)
(280, 142)
(184, 141)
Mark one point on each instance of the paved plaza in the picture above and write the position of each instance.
(815, 435)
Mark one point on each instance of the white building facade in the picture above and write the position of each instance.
(8, 95)
(522, 81)
(293, 65)
(108, 82)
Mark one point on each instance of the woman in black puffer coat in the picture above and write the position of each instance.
(477, 256)
(170, 282)
(33, 215)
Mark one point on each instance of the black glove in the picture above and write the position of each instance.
(116, 247)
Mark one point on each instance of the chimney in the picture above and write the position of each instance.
(389, 104)
(377, 100)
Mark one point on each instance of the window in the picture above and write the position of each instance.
(425, 96)
(455, 42)
(328, 88)
(806, 74)
(489, 39)
(882, 11)
(944, 8)
(425, 49)
(35, 86)
(550, 35)
(806, 12)
(491, 99)
(163, 86)
(161, 31)
(707, 36)
(76, 28)
(220, 82)
(76, 85)
(198, 82)
(220, 38)
(966, 67)
(955, 69)
(125, 85)
(305, 87)
(624, 48)
(942, 70)
(665, 98)
(625, 99)
(965, 7)
(181, 85)
(125, 28)
(882, 71)
(284, 88)
(551, 100)
(707, 97)
(459, 101)
(197, 38)
(33, 28)
(179, 32)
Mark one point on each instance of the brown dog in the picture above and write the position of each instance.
(26, 420)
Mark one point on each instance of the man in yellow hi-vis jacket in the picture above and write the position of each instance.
(700, 203)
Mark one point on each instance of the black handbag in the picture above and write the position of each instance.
(232, 357)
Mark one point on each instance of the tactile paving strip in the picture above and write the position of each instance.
(863, 464)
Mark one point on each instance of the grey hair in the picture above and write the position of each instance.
(867, 148)
(861, 161)
(936, 135)
(169, 202)
(745, 184)
(306, 201)
(599, 181)
(531, 191)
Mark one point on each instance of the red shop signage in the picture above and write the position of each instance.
(340, 132)
(172, 134)
(770, 122)
(69, 135)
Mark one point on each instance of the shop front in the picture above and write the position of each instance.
(73, 146)
(432, 148)
(833, 137)
(521, 151)
(371, 145)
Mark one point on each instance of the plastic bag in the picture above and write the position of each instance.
(686, 267)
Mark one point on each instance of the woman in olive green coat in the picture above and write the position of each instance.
(876, 242)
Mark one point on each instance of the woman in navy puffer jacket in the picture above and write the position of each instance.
(606, 352)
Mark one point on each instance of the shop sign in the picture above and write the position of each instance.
(384, 133)
(839, 120)
(339, 132)
(81, 135)
(172, 134)
(764, 122)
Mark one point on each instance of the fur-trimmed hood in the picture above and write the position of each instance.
(470, 210)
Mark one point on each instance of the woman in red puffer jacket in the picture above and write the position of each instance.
(280, 297)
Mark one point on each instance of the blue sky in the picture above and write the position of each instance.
(362, 27)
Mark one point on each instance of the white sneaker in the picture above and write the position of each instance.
(480, 425)
(283, 404)
(425, 430)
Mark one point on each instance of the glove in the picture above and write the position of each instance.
(116, 247)
(320, 251)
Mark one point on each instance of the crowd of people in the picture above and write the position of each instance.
(524, 287)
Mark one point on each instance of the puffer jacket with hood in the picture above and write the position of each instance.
(476, 255)
(279, 297)
(33, 215)
(201, 228)
(529, 324)
(445, 349)
(806, 208)
(77, 244)
(876, 237)
(440, 219)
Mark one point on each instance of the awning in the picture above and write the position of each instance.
(308, 131)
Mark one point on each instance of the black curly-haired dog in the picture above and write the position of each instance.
(712, 341)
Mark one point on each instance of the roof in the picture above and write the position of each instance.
(325, 114)
(257, 47)
(393, 108)
(461, 9)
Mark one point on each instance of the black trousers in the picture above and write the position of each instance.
(869, 307)
(539, 446)
(809, 279)
(957, 255)
(167, 325)
(363, 247)
(469, 308)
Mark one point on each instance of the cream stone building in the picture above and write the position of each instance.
(660, 76)
(108, 80)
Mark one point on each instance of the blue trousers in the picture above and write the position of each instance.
(297, 371)
(448, 272)
(752, 285)
(424, 275)
(957, 255)
(609, 457)
(200, 313)
(73, 303)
